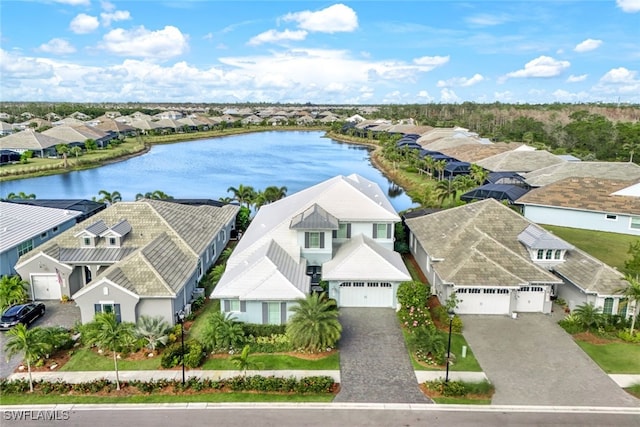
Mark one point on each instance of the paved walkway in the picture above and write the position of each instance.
(532, 361)
(374, 363)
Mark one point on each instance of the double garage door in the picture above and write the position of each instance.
(483, 301)
(366, 294)
(45, 287)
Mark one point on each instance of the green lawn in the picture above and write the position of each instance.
(88, 360)
(468, 363)
(197, 328)
(610, 248)
(615, 357)
(461, 401)
(278, 362)
(37, 399)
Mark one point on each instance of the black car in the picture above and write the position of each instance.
(21, 313)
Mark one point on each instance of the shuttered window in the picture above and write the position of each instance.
(314, 240)
(381, 231)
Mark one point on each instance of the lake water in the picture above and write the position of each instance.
(206, 168)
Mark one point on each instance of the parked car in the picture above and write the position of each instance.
(21, 313)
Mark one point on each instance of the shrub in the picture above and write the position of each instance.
(456, 326)
(197, 304)
(571, 325)
(412, 294)
(626, 336)
(256, 330)
(194, 356)
(172, 355)
(413, 317)
(271, 344)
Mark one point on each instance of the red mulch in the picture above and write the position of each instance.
(593, 339)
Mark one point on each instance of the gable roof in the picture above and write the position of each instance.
(624, 171)
(474, 152)
(537, 238)
(314, 218)
(588, 194)
(519, 161)
(29, 139)
(361, 258)
(478, 243)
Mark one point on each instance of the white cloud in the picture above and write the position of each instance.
(17, 67)
(57, 46)
(140, 42)
(576, 79)
(430, 62)
(333, 19)
(487, 20)
(619, 81)
(629, 6)
(542, 66)
(118, 15)
(461, 81)
(423, 95)
(562, 95)
(447, 95)
(587, 45)
(74, 2)
(619, 75)
(273, 36)
(83, 24)
(505, 96)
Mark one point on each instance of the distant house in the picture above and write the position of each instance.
(6, 129)
(587, 203)
(25, 227)
(132, 259)
(340, 231)
(78, 135)
(497, 262)
(520, 161)
(86, 208)
(29, 140)
(623, 171)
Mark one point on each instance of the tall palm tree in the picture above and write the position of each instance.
(439, 166)
(76, 151)
(107, 333)
(29, 342)
(631, 148)
(314, 324)
(479, 174)
(244, 194)
(13, 290)
(445, 190)
(109, 198)
(632, 292)
(64, 150)
(274, 193)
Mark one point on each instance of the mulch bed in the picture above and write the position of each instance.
(593, 339)
(435, 394)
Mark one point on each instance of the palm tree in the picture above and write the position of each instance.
(109, 198)
(631, 148)
(13, 290)
(64, 150)
(444, 190)
(21, 196)
(29, 342)
(314, 324)
(242, 360)
(439, 166)
(243, 194)
(274, 193)
(632, 292)
(463, 183)
(479, 174)
(222, 331)
(107, 333)
(588, 316)
(76, 151)
(153, 330)
(157, 195)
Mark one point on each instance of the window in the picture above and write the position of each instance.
(86, 241)
(549, 254)
(55, 229)
(213, 250)
(344, 232)
(199, 269)
(43, 235)
(274, 313)
(503, 291)
(461, 291)
(25, 247)
(112, 241)
(635, 223)
(622, 307)
(558, 254)
(612, 217)
(234, 305)
(108, 308)
(314, 240)
(489, 291)
(381, 231)
(608, 306)
(540, 253)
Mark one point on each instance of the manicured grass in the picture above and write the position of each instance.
(634, 390)
(610, 248)
(278, 362)
(461, 401)
(467, 364)
(413, 270)
(197, 328)
(87, 360)
(36, 399)
(615, 357)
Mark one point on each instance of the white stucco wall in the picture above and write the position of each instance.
(580, 219)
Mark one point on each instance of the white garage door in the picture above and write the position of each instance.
(530, 299)
(366, 294)
(483, 301)
(45, 287)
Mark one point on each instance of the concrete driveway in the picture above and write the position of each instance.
(533, 361)
(56, 314)
(374, 363)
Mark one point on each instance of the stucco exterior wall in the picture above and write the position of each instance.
(106, 293)
(580, 219)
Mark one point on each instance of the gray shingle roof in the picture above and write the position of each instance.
(519, 161)
(606, 170)
(29, 139)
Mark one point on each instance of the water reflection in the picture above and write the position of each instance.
(207, 168)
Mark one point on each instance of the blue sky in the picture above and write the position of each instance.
(352, 52)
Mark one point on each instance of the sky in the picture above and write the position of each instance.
(322, 52)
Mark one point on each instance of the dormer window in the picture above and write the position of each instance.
(112, 241)
(543, 246)
(540, 253)
(314, 240)
(87, 241)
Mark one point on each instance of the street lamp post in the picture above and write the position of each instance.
(180, 319)
(451, 315)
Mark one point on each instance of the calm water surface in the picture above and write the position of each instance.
(206, 168)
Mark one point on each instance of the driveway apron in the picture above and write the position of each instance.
(374, 363)
(533, 361)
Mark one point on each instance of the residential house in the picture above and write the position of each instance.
(625, 171)
(86, 208)
(340, 231)
(25, 227)
(78, 135)
(133, 258)
(521, 161)
(29, 140)
(498, 262)
(6, 129)
(587, 203)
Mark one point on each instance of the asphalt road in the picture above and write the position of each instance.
(321, 415)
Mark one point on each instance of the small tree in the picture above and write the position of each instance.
(588, 316)
(13, 290)
(632, 265)
(63, 149)
(222, 331)
(632, 292)
(29, 342)
(314, 325)
(76, 151)
(242, 361)
(153, 330)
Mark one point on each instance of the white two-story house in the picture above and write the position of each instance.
(340, 231)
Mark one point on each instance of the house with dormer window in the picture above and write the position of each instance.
(498, 262)
(340, 231)
(133, 258)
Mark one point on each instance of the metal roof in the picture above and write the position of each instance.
(314, 218)
(495, 191)
(537, 238)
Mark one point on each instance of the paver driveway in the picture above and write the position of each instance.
(374, 363)
(533, 361)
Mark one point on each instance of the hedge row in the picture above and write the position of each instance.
(316, 384)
